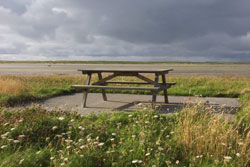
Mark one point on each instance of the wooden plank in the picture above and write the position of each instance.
(154, 94)
(165, 90)
(114, 87)
(127, 82)
(145, 79)
(100, 82)
(85, 92)
(85, 71)
(103, 91)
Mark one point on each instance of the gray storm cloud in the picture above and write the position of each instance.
(161, 30)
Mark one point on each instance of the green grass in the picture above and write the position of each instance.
(192, 137)
(35, 137)
(37, 87)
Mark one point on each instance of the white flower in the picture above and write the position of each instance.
(133, 136)
(112, 139)
(134, 161)
(68, 147)
(21, 161)
(66, 159)
(83, 146)
(62, 164)
(6, 124)
(16, 141)
(130, 115)
(51, 158)
(80, 140)
(100, 144)
(140, 161)
(38, 152)
(171, 132)
(21, 136)
(147, 154)
(177, 162)
(12, 129)
(156, 116)
(81, 156)
(238, 154)
(227, 158)
(113, 134)
(3, 146)
(61, 118)
(54, 127)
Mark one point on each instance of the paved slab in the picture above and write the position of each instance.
(129, 102)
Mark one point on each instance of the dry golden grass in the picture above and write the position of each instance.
(210, 135)
(11, 86)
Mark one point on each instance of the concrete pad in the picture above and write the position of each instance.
(130, 102)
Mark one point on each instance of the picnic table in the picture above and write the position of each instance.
(103, 83)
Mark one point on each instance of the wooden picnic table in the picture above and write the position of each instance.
(102, 83)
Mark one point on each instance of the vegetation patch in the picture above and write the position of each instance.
(193, 137)
(18, 89)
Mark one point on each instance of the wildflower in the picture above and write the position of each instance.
(16, 141)
(83, 146)
(51, 158)
(6, 124)
(113, 134)
(61, 118)
(129, 115)
(38, 152)
(112, 139)
(156, 116)
(140, 161)
(72, 120)
(62, 164)
(21, 161)
(167, 136)
(171, 132)
(68, 147)
(134, 161)
(10, 140)
(177, 162)
(54, 127)
(147, 154)
(80, 140)
(100, 144)
(81, 156)
(12, 129)
(238, 154)
(227, 158)
(3, 146)
(21, 120)
(66, 159)
(133, 136)
(21, 136)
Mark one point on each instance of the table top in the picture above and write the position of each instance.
(126, 70)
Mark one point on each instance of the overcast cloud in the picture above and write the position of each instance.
(144, 30)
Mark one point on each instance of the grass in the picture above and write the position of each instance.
(193, 137)
(18, 89)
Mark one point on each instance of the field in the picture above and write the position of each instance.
(192, 137)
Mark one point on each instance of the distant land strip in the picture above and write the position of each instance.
(121, 62)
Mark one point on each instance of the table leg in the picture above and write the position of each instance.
(103, 91)
(154, 93)
(165, 90)
(85, 92)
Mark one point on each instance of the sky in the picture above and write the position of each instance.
(125, 30)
